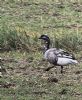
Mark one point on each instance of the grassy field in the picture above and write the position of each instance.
(23, 75)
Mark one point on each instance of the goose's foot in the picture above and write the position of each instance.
(61, 69)
(47, 69)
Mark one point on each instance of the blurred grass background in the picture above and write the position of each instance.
(23, 21)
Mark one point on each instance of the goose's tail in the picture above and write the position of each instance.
(74, 61)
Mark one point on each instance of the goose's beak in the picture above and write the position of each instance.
(39, 38)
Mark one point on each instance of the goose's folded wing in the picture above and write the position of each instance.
(63, 53)
(66, 54)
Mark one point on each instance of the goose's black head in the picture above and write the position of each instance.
(46, 39)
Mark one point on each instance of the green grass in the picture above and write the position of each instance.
(21, 23)
(27, 80)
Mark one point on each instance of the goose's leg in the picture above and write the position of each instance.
(47, 69)
(61, 69)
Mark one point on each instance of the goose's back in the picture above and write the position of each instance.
(53, 54)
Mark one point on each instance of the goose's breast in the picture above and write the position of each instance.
(50, 56)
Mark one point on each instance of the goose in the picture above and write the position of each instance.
(56, 56)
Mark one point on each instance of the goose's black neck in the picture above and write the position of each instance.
(47, 44)
(46, 40)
